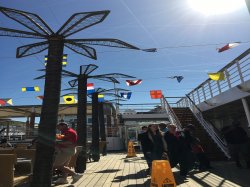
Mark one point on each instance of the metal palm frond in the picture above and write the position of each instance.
(68, 94)
(87, 69)
(80, 21)
(29, 20)
(119, 89)
(109, 42)
(18, 33)
(72, 89)
(111, 94)
(41, 77)
(118, 99)
(116, 75)
(73, 83)
(31, 49)
(108, 79)
(82, 49)
(68, 73)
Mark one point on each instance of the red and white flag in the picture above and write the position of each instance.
(228, 46)
(133, 82)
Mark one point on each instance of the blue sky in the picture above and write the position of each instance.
(162, 24)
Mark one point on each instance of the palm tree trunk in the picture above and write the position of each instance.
(82, 123)
(95, 128)
(102, 127)
(42, 172)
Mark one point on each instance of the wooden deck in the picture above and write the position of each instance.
(116, 170)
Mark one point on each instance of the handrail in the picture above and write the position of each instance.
(208, 127)
(236, 72)
(173, 118)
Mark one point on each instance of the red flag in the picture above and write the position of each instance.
(228, 46)
(40, 97)
(133, 82)
(155, 94)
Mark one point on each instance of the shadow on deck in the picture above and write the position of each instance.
(117, 170)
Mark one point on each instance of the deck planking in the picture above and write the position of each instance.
(115, 170)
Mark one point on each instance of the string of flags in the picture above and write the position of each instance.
(28, 89)
(6, 102)
(155, 94)
(228, 46)
(133, 82)
(126, 95)
(64, 60)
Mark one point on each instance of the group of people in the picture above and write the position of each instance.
(161, 141)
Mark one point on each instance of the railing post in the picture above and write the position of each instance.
(218, 85)
(203, 91)
(193, 97)
(228, 79)
(197, 92)
(240, 73)
(211, 93)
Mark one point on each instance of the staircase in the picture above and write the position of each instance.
(186, 117)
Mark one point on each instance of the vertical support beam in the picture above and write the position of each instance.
(95, 128)
(193, 97)
(81, 161)
(240, 73)
(246, 108)
(102, 128)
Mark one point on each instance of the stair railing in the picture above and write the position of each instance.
(208, 127)
(172, 117)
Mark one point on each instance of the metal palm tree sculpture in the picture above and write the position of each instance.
(54, 42)
(80, 82)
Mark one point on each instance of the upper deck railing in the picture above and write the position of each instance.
(236, 73)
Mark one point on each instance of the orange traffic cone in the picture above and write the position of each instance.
(162, 174)
(131, 150)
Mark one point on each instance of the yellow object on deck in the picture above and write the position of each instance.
(162, 174)
(131, 150)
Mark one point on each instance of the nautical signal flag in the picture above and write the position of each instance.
(7, 101)
(126, 95)
(133, 82)
(64, 60)
(100, 98)
(40, 97)
(155, 94)
(90, 88)
(178, 78)
(27, 89)
(219, 76)
(228, 46)
(69, 99)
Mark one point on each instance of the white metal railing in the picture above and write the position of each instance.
(208, 127)
(236, 72)
(172, 117)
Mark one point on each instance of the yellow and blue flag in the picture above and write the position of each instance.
(27, 89)
(100, 98)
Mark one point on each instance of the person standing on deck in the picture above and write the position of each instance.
(156, 146)
(65, 149)
(141, 137)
